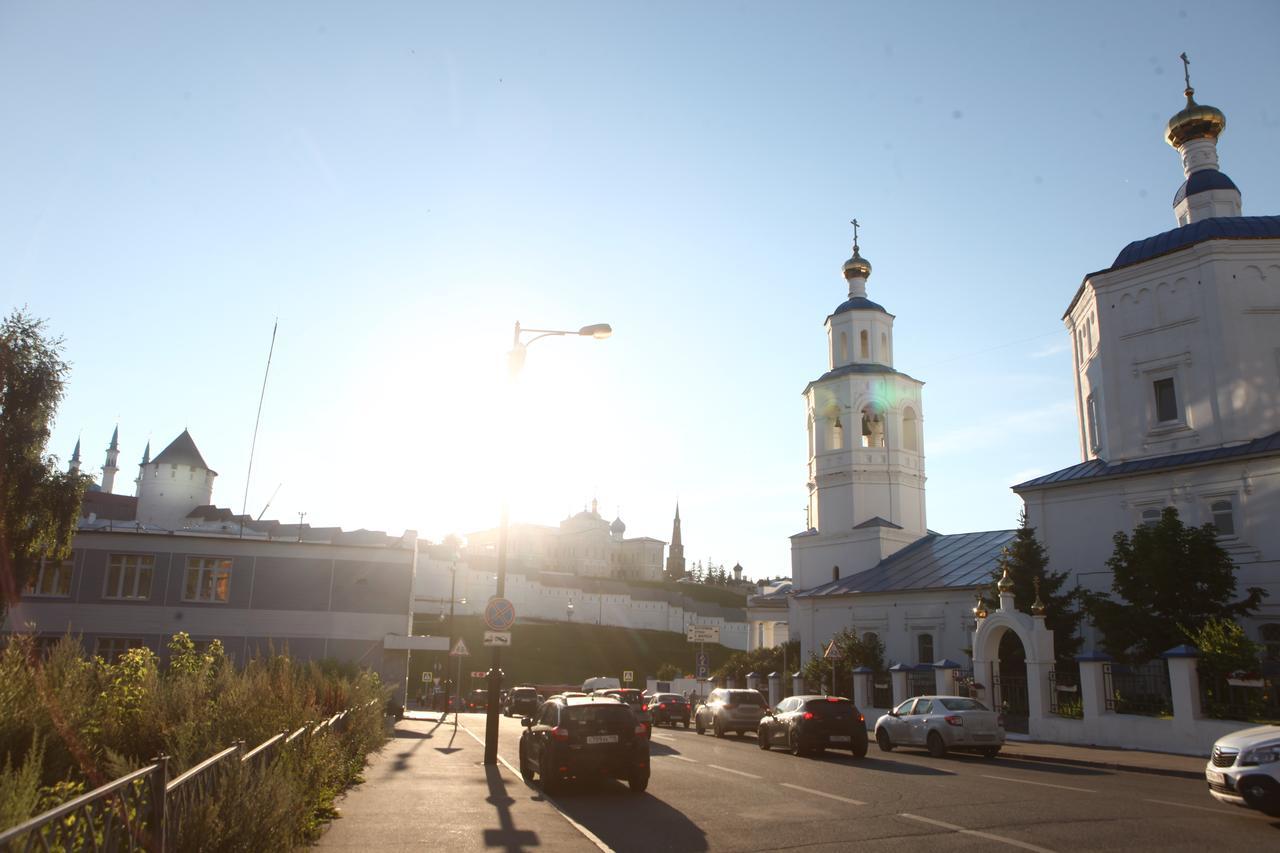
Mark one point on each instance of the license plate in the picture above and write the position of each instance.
(839, 738)
(602, 738)
(1214, 777)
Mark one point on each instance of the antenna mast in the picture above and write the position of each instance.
(253, 446)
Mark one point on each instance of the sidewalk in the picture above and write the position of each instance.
(429, 789)
(1131, 760)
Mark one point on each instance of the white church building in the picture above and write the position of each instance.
(1177, 389)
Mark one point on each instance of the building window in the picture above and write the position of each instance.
(863, 346)
(111, 649)
(835, 573)
(837, 435)
(129, 576)
(52, 579)
(1270, 636)
(844, 347)
(924, 648)
(1150, 517)
(884, 348)
(1223, 517)
(208, 579)
(910, 430)
(872, 428)
(1091, 406)
(1166, 400)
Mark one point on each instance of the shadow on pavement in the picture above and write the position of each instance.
(887, 765)
(626, 821)
(506, 836)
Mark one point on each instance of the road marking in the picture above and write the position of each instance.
(1041, 784)
(738, 772)
(590, 836)
(1223, 812)
(664, 737)
(678, 758)
(823, 794)
(987, 835)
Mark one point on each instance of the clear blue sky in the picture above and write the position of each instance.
(399, 184)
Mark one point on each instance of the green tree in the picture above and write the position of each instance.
(39, 504)
(1225, 650)
(1169, 580)
(1026, 561)
(761, 661)
(668, 672)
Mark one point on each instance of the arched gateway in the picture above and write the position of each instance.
(1037, 643)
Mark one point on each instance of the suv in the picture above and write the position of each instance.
(1244, 769)
(811, 724)
(522, 701)
(669, 708)
(729, 710)
(588, 737)
(478, 700)
(635, 699)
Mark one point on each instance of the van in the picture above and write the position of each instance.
(600, 682)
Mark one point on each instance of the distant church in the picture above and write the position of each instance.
(1176, 354)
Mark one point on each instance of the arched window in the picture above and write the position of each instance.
(835, 573)
(910, 430)
(837, 435)
(870, 638)
(1150, 517)
(844, 347)
(884, 348)
(1270, 636)
(924, 648)
(864, 346)
(872, 428)
(1223, 517)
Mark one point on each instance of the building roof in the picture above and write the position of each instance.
(858, 303)
(182, 451)
(850, 369)
(1203, 181)
(1096, 469)
(109, 507)
(935, 561)
(1214, 228)
(876, 521)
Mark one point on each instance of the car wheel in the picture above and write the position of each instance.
(859, 748)
(884, 741)
(990, 751)
(937, 746)
(1261, 793)
(762, 737)
(639, 780)
(698, 727)
(718, 726)
(546, 769)
(526, 772)
(686, 725)
(793, 743)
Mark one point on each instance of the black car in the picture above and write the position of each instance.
(669, 708)
(806, 724)
(522, 701)
(478, 700)
(584, 738)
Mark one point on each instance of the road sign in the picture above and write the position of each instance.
(833, 652)
(426, 676)
(703, 633)
(499, 614)
(479, 674)
(628, 676)
(704, 665)
(460, 649)
(501, 639)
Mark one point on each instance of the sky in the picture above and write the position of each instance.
(397, 184)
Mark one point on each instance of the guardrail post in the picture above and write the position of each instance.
(159, 782)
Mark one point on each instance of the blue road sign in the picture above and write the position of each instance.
(499, 614)
(703, 667)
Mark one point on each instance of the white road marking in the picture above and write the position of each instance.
(1041, 784)
(664, 737)
(678, 758)
(823, 794)
(590, 836)
(987, 835)
(1223, 811)
(738, 772)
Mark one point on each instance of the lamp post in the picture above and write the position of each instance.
(515, 361)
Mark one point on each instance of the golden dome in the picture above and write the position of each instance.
(1006, 582)
(857, 266)
(1195, 121)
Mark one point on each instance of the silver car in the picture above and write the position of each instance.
(940, 723)
(729, 710)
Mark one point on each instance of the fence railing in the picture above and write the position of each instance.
(1255, 699)
(1064, 693)
(144, 810)
(921, 682)
(1142, 689)
(881, 690)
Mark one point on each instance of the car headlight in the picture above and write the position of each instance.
(1261, 754)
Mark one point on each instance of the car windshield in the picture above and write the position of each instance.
(744, 698)
(957, 703)
(524, 693)
(838, 708)
(602, 713)
(668, 697)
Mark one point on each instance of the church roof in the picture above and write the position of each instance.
(107, 506)
(935, 561)
(859, 303)
(1096, 469)
(877, 521)
(1203, 181)
(849, 369)
(1214, 228)
(182, 451)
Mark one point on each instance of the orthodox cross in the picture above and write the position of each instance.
(854, 223)
(1186, 68)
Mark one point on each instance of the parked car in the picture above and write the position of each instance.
(941, 723)
(600, 682)
(1244, 769)
(669, 708)
(478, 700)
(729, 710)
(522, 701)
(585, 738)
(805, 724)
(635, 699)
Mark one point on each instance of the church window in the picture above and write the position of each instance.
(884, 348)
(1166, 400)
(129, 576)
(864, 347)
(52, 579)
(835, 573)
(207, 579)
(1270, 636)
(910, 430)
(924, 648)
(1091, 406)
(1223, 517)
(837, 435)
(844, 347)
(870, 638)
(1150, 517)
(872, 428)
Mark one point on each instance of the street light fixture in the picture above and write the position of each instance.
(515, 361)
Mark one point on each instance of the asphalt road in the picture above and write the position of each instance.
(710, 794)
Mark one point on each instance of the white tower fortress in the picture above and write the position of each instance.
(174, 483)
(866, 444)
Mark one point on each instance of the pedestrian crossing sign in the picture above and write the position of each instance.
(460, 649)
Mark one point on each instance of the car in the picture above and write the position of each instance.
(478, 700)
(729, 710)
(1244, 769)
(522, 701)
(584, 738)
(669, 708)
(942, 723)
(635, 699)
(599, 683)
(811, 724)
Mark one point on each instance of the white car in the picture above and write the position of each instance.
(1244, 769)
(940, 723)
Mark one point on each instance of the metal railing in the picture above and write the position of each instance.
(144, 810)
(1064, 693)
(881, 690)
(1142, 689)
(1253, 699)
(962, 683)
(921, 682)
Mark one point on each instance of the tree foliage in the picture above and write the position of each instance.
(1169, 580)
(761, 661)
(1026, 561)
(39, 505)
(852, 652)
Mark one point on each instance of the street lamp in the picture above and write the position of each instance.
(515, 361)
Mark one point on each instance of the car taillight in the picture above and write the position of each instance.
(644, 707)
(662, 706)
(833, 699)
(954, 720)
(808, 715)
(560, 733)
(862, 719)
(641, 729)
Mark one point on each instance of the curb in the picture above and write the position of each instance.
(1107, 765)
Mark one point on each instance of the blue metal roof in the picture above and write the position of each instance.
(859, 303)
(1214, 228)
(1203, 181)
(936, 561)
(848, 369)
(1097, 468)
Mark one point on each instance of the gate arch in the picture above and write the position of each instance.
(1037, 643)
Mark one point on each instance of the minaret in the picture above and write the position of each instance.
(113, 453)
(146, 459)
(75, 460)
(675, 555)
(1193, 132)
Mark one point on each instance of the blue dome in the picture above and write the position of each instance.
(1203, 181)
(859, 303)
(1214, 228)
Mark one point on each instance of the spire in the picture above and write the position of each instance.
(75, 459)
(113, 454)
(1193, 131)
(146, 459)
(675, 554)
(115, 439)
(146, 453)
